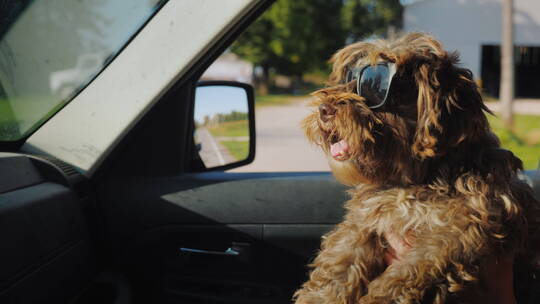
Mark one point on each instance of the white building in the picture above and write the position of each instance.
(229, 67)
(473, 27)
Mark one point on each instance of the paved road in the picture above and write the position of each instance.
(212, 152)
(281, 144)
(521, 106)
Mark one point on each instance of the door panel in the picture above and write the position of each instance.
(275, 221)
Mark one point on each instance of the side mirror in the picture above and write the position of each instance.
(224, 125)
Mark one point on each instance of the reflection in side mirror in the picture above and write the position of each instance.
(224, 125)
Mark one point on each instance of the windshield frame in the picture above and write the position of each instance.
(14, 145)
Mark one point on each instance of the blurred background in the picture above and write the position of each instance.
(285, 53)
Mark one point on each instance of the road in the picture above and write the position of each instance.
(521, 106)
(281, 143)
(212, 152)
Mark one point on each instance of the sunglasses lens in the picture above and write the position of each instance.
(374, 84)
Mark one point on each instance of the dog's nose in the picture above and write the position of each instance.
(326, 110)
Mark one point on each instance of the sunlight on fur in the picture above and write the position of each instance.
(424, 166)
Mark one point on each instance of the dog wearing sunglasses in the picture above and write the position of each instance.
(405, 126)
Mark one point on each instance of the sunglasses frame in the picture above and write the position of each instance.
(358, 71)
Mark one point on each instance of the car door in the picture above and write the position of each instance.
(173, 233)
(78, 222)
(182, 235)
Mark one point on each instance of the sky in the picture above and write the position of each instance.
(210, 100)
(405, 2)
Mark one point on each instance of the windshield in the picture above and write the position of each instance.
(50, 50)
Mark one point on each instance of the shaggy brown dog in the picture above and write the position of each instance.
(425, 167)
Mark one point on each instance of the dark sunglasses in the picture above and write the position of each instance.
(373, 82)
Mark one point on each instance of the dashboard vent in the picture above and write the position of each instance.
(58, 170)
(68, 169)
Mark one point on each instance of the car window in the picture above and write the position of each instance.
(280, 142)
(163, 52)
(50, 50)
(284, 55)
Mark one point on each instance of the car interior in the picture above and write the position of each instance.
(153, 225)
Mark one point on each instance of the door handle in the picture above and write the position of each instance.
(237, 249)
(229, 251)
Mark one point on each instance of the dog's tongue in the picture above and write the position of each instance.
(339, 149)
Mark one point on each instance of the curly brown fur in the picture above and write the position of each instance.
(424, 166)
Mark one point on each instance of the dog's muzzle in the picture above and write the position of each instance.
(326, 111)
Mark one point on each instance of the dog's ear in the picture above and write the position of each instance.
(450, 110)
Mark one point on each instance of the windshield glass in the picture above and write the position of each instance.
(50, 50)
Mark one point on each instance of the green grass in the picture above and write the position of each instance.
(29, 112)
(276, 99)
(6, 114)
(231, 129)
(238, 149)
(9, 126)
(489, 98)
(523, 141)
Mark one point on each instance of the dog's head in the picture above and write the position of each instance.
(432, 109)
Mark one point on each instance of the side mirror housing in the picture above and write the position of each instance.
(224, 125)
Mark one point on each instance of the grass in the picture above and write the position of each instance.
(29, 112)
(523, 141)
(9, 126)
(276, 99)
(231, 129)
(489, 98)
(238, 149)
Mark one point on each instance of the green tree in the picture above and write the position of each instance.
(253, 45)
(298, 36)
(293, 37)
(362, 18)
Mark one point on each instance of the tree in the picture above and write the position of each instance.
(254, 46)
(293, 37)
(362, 18)
(298, 36)
(507, 64)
